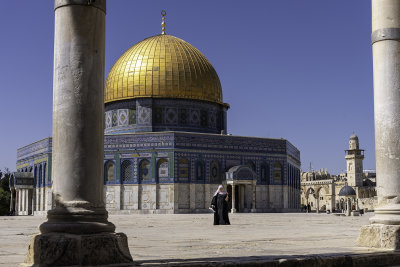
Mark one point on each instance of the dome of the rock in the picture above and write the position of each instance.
(163, 66)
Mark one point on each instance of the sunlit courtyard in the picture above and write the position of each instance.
(181, 237)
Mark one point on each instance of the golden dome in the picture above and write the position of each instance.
(163, 66)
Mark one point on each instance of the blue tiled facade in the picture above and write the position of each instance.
(36, 158)
(157, 114)
(195, 149)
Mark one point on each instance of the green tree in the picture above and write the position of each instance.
(5, 193)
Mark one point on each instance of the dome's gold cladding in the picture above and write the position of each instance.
(163, 66)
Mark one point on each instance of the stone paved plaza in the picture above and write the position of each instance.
(154, 238)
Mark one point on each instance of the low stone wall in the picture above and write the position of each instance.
(368, 203)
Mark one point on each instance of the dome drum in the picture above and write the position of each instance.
(157, 114)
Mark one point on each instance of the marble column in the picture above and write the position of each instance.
(77, 231)
(17, 201)
(27, 201)
(43, 197)
(12, 205)
(253, 198)
(384, 228)
(348, 207)
(37, 197)
(23, 201)
(242, 195)
(233, 198)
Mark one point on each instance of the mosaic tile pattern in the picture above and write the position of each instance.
(165, 114)
(216, 153)
(123, 117)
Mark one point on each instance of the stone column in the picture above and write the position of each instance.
(17, 201)
(242, 198)
(42, 198)
(77, 231)
(11, 201)
(384, 228)
(348, 207)
(27, 201)
(30, 196)
(23, 201)
(33, 200)
(37, 197)
(253, 200)
(233, 198)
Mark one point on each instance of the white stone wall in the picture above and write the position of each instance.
(142, 198)
(184, 196)
(276, 197)
(262, 198)
(42, 200)
(368, 203)
(170, 198)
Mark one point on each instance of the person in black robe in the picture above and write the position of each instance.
(219, 204)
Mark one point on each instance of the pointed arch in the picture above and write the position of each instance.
(183, 169)
(144, 171)
(214, 171)
(162, 169)
(126, 171)
(200, 170)
(109, 171)
(277, 174)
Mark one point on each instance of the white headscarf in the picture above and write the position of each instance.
(220, 190)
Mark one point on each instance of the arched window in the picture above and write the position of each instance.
(40, 175)
(183, 168)
(251, 165)
(109, 172)
(277, 171)
(144, 170)
(30, 169)
(200, 170)
(126, 171)
(162, 169)
(264, 173)
(215, 172)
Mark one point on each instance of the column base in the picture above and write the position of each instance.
(61, 249)
(233, 211)
(380, 236)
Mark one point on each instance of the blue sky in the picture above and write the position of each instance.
(300, 70)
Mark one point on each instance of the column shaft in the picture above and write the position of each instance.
(77, 228)
(78, 114)
(233, 199)
(17, 201)
(11, 201)
(384, 230)
(253, 198)
(386, 64)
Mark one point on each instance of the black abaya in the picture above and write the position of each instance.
(221, 209)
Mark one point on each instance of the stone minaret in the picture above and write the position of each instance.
(354, 158)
